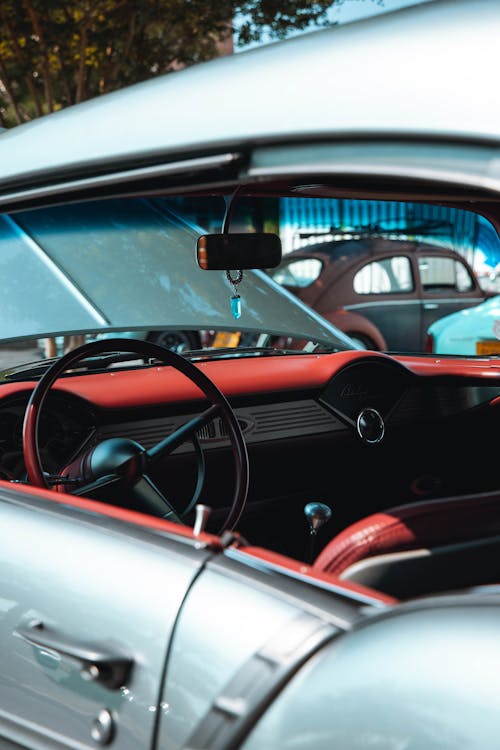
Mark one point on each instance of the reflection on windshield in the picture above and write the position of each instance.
(379, 275)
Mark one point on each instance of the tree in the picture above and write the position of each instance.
(55, 53)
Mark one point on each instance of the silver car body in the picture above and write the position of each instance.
(197, 618)
(442, 93)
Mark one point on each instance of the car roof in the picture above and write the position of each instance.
(413, 77)
(351, 251)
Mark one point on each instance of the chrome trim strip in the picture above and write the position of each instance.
(263, 565)
(160, 170)
(395, 302)
(443, 176)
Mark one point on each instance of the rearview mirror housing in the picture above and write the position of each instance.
(220, 252)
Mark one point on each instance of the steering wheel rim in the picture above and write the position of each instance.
(144, 349)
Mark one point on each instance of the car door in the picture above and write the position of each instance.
(247, 624)
(384, 292)
(446, 285)
(87, 607)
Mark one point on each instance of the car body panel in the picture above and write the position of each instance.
(381, 40)
(429, 677)
(136, 707)
(460, 332)
(192, 609)
(199, 668)
(87, 559)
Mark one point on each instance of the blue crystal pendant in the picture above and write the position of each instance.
(236, 306)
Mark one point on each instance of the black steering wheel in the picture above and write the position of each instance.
(123, 465)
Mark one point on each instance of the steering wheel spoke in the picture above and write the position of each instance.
(150, 500)
(94, 488)
(181, 435)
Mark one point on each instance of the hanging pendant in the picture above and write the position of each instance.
(235, 299)
(236, 306)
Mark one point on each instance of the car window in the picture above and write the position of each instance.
(299, 273)
(385, 276)
(437, 273)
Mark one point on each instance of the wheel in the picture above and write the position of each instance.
(118, 465)
(364, 342)
(176, 341)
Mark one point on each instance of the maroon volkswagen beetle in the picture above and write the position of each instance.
(383, 292)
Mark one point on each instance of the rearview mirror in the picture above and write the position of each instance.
(219, 252)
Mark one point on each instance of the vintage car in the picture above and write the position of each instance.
(358, 283)
(288, 543)
(474, 331)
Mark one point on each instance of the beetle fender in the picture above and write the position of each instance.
(351, 323)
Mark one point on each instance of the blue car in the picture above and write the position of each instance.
(467, 332)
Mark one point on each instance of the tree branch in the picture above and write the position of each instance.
(37, 28)
(81, 76)
(9, 95)
(23, 63)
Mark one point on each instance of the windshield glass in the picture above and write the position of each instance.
(385, 275)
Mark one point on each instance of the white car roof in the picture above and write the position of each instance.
(419, 71)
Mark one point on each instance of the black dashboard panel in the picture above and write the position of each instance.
(66, 424)
(403, 400)
(368, 384)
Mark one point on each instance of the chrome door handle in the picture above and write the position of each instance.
(108, 668)
(430, 306)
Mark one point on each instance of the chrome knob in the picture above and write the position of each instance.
(317, 515)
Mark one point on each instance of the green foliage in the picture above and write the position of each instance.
(279, 16)
(55, 53)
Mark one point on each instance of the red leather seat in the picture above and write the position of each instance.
(420, 548)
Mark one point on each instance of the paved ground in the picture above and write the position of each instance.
(10, 356)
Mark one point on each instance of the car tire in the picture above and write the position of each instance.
(365, 342)
(176, 341)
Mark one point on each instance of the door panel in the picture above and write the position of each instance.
(398, 320)
(94, 583)
(387, 296)
(237, 620)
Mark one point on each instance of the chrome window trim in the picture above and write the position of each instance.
(419, 301)
(61, 187)
(460, 164)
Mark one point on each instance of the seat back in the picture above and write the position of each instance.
(420, 548)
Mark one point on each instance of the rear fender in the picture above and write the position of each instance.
(351, 323)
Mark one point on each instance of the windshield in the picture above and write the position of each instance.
(385, 275)
(127, 267)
